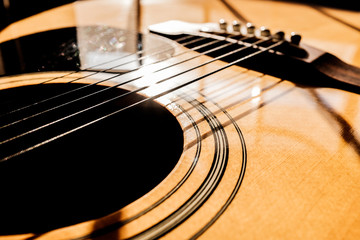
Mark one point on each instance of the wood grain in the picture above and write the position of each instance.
(302, 143)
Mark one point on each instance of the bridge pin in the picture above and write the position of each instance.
(223, 24)
(278, 36)
(250, 28)
(295, 38)
(236, 26)
(264, 31)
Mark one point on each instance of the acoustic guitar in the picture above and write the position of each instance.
(120, 122)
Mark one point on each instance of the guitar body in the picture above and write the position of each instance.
(260, 157)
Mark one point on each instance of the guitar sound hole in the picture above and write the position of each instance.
(88, 173)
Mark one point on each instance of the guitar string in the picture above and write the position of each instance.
(120, 96)
(198, 144)
(185, 209)
(128, 80)
(239, 178)
(210, 116)
(107, 79)
(97, 72)
(104, 102)
(207, 187)
(140, 52)
(241, 101)
(161, 94)
(94, 73)
(88, 85)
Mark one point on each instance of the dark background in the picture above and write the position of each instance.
(20, 9)
(353, 5)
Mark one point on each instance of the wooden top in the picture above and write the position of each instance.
(291, 153)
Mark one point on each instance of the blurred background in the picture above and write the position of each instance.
(331, 25)
(14, 10)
